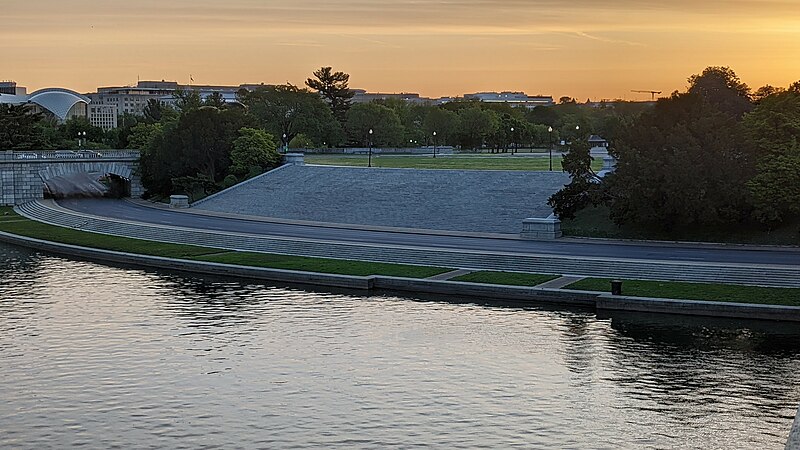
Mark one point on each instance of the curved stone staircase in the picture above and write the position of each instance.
(759, 275)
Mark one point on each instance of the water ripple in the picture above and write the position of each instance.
(98, 357)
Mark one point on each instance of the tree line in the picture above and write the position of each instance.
(202, 145)
(718, 156)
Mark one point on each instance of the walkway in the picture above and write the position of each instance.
(436, 250)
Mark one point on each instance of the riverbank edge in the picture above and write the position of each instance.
(598, 300)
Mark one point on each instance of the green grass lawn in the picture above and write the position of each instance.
(695, 291)
(462, 162)
(594, 222)
(10, 222)
(506, 278)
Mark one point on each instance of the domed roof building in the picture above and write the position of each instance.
(59, 103)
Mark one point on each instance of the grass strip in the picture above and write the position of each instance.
(38, 230)
(324, 265)
(695, 291)
(16, 224)
(449, 162)
(506, 278)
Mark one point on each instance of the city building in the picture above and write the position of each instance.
(362, 96)
(512, 98)
(11, 88)
(133, 99)
(103, 116)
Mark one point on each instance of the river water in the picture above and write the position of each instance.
(104, 356)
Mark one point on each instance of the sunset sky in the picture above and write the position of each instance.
(580, 48)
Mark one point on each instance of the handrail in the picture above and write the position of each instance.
(32, 155)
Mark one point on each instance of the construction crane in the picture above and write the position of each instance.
(652, 93)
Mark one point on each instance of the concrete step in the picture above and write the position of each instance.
(548, 264)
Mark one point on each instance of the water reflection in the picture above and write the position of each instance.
(107, 356)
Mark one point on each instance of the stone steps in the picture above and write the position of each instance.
(779, 276)
(455, 200)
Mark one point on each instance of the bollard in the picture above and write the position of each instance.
(616, 287)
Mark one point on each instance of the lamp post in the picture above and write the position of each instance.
(81, 134)
(550, 130)
(285, 144)
(512, 140)
(369, 160)
(434, 145)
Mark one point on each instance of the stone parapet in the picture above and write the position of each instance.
(297, 159)
(541, 229)
(179, 201)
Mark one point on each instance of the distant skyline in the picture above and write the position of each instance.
(584, 48)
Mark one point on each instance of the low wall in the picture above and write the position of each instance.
(541, 229)
(794, 435)
(598, 300)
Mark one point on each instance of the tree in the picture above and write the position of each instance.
(583, 188)
(476, 125)
(206, 135)
(187, 99)
(20, 128)
(384, 123)
(143, 135)
(443, 122)
(722, 88)
(253, 148)
(411, 118)
(215, 99)
(765, 91)
(333, 87)
(544, 115)
(153, 111)
(684, 163)
(194, 149)
(774, 128)
(286, 110)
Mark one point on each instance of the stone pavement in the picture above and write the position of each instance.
(457, 200)
(757, 275)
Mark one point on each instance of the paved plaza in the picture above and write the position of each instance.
(455, 200)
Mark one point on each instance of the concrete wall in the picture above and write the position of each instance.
(22, 180)
(598, 300)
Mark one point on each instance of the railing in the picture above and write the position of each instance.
(60, 155)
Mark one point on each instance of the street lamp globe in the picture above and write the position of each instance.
(549, 129)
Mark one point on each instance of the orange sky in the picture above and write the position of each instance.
(580, 48)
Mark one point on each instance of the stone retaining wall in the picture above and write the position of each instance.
(598, 300)
(22, 181)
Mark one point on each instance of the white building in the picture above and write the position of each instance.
(58, 103)
(134, 99)
(103, 116)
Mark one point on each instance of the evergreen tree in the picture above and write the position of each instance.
(333, 87)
